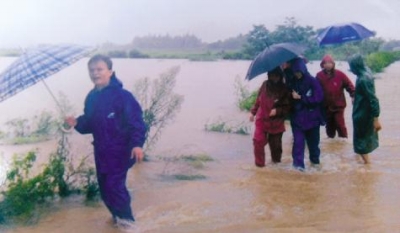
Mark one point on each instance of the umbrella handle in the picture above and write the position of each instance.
(65, 130)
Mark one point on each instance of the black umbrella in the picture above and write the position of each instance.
(273, 56)
(341, 33)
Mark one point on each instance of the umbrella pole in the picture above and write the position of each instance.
(59, 106)
(52, 95)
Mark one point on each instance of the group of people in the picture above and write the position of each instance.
(114, 118)
(309, 102)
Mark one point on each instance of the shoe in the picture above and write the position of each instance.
(302, 169)
(126, 225)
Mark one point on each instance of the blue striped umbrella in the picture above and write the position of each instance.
(36, 64)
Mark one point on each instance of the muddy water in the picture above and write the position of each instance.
(342, 196)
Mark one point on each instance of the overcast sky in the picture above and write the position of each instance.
(29, 22)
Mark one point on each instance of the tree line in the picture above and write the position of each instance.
(247, 46)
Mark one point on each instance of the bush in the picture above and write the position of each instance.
(134, 53)
(159, 102)
(245, 98)
(23, 194)
(247, 103)
(380, 60)
(236, 56)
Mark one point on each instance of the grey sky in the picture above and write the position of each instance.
(29, 22)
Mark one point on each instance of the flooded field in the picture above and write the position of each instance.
(341, 196)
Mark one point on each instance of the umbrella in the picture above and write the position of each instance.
(273, 56)
(36, 64)
(341, 33)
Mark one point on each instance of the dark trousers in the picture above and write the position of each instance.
(300, 138)
(115, 195)
(335, 122)
(275, 146)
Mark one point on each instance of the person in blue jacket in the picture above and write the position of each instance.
(306, 116)
(114, 118)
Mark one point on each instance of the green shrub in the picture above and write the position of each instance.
(380, 60)
(245, 97)
(247, 103)
(23, 193)
(159, 102)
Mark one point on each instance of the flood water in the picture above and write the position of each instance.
(342, 196)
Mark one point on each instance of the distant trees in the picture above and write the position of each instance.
(290, 31)
(167, 42)
(232, 43)
(244, 46)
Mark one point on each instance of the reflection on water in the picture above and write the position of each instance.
(342, 195)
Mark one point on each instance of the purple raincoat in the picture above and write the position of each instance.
(114, 118)
(306, 112)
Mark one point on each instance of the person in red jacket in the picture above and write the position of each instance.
(333, 83)
(270, 110)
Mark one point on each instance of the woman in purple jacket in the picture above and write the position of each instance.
(306, 116)
(114, 118)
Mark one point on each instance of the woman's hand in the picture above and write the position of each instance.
(296, 95)
(251, 117)
(272, 113)
(377, 124)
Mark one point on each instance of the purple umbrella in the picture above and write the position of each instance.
(341, 33)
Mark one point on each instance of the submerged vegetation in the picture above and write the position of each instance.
(39, 128)
(25, 192)
(228, 127)
(185, 167)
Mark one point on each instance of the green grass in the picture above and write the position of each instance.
(193, 55)
(28, 140)
(189, 177)
(197, 161)
(198, 157)
(223, 127)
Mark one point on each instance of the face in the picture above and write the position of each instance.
(99, 74)
(328, 66)
(274, 78)
(298, 75)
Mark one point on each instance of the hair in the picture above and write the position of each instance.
(276, 70)
(100, 57)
